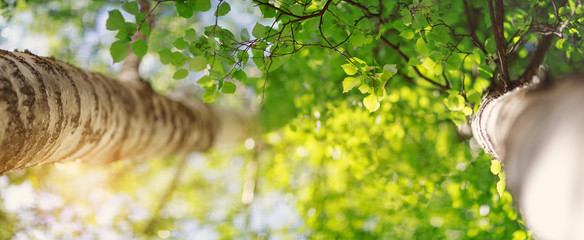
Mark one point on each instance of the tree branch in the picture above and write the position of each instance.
(536, 59)
(497, 15)
(407, 59)
(472, 26)
(129, 72)
(178, 172)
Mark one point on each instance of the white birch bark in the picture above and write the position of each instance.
(538, 133)
(51, 111)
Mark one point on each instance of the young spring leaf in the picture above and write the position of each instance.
(115, 21)
(349, 69)
(201, 5)
(180, 74)
(184, 10)
(223, 9)
(165, 55)
(131, 7)
(228, 88)
(180, 43)
(240, 75)
(198, 63)
(119, 50)
(259, 31)
(177, 59)
(371, 103)
(140, 47)
(495, 167)
(205, 81)
(191, 35)
(349, 83)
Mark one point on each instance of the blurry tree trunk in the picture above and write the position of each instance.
(538, 133)
(51, 111)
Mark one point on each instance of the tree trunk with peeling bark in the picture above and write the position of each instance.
(537, 131)
(51, 112)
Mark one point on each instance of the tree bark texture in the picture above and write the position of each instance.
(537, 131)
(51, 111)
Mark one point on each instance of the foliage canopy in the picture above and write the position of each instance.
(364, 106)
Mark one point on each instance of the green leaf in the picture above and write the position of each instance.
(165, 55)
(479, 56)
(223, 9)
(422, 47)
(177, 59)
(495, 166)
(407, 34)
(349, 83)
(371, 103)
(455, 102)
(198, 63)
(210, 94)
(406, 16)
(140, 47)
(184, 10)
(388, 71)
(202, 5)
(240, 75)
(429, 64)
(119, 50)
(501, 187)
(349, 69)
(485, 71)
(191, 35)
(206, 81)
(145, 28)
(244, 34)
(267, 12)
(180, 43)
(228, 88)
(115, 21)
(473, 96)
(364, 88)
(259, 31)
(131, 7)
(180, 74)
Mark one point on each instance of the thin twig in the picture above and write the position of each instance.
(407, 59)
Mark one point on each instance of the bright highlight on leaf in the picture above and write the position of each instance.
(205, 81)
(501, 187)
(349, 69)
(495, 166)
(349, 83)
(371, 103)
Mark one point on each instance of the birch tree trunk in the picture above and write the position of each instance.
(51, 112)
(537, 131)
